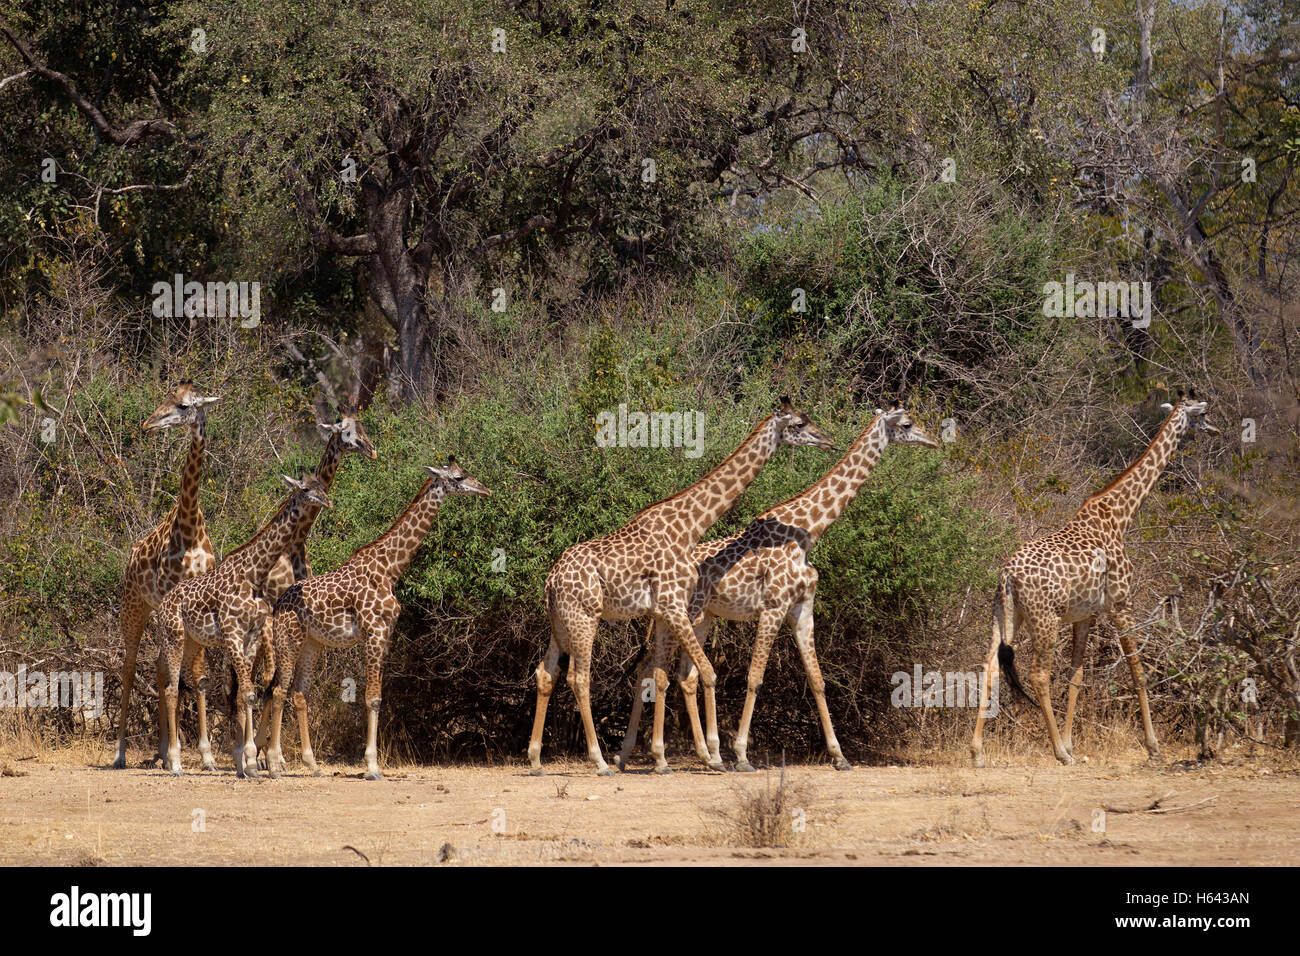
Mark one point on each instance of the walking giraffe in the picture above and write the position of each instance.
(762, 573)
(224, 608)
(645, 568)
(1072, 575)
(353, 604)
(175, 550)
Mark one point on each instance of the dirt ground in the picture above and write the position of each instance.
(64, 807)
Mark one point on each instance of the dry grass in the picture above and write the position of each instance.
(772, 814)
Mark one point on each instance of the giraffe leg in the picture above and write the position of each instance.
(199, 672)
(546, 672)
(173, 643)
(287, 633)
(375, 648)
(644, 668)
(238, 633)
(1044, 626)
(580, 648)
(1005, 620)
(769, 622)
(1128, 642)
(134, 615)
(688, 676)
(302, 674)
(678, 625)
(1076, 680)
(801, 616)
(664, 647)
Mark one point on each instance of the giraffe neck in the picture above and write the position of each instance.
(189, 518)
(817, 508)
(1119, 501)
(393, 550)
(329, 463)
(259, 555)
(690, 513)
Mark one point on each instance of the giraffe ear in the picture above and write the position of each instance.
(292, 482)
(209, 399)
(1166, 406)
(786, 405)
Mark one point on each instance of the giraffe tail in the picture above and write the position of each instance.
(1004, 616)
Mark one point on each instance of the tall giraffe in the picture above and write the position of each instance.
(223, 608)
(645, 568)
(176, 549)
(1073, 574)
(762, 573)
(354, 603)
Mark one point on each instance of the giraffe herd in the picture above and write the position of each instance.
(262, 604)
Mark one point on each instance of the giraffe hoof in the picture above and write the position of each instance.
(607, 772)
(1066, 760)
(665, 769)
(744, 766)
(119, 763)
(273, 774)
(537, 772)
(210, 765)
(178, 772)
(719, 767)
(374, 775)
(843, 764)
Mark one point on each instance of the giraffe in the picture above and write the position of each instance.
(354, 603)
(762, 573)
(645, 568)
(222, 608)
(175, 550)
(345, 435)
(1073, 574)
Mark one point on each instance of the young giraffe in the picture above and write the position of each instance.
(223, 608)
(345, 435)
(1073, 574)
(352, 604)
(177, 549)
(645, 568)
(762, 573)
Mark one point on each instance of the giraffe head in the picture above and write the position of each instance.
(1193, 412)
(454, 481)
(187, 406)
(351, 434)
(308, 490)
(900, 429)
(797, 429)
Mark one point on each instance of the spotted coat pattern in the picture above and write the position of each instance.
(1075, 573)
(223, 608)
(761, 573)
(176, 549)
(646, 568)
(353, 604)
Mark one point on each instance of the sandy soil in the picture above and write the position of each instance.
(61, 808)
